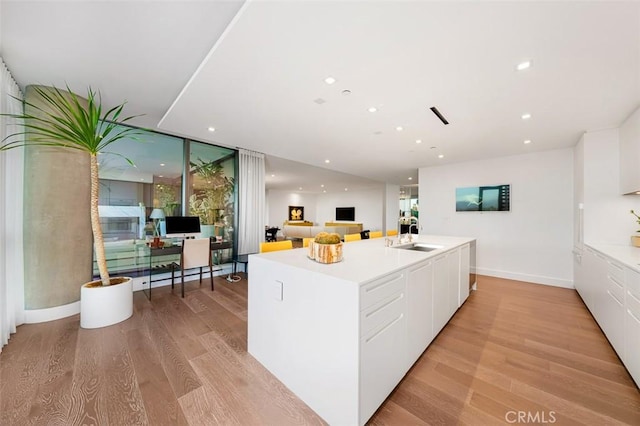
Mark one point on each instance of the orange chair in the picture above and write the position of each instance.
(375, 234)
(392, 232)
(351, 237)
(305, 241)
(276, 246)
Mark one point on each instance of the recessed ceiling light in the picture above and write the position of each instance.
(322, 186)
(160, 175)
(410, 178)
(523, 65)
(399, 128)
(324, 190)
(273, 175)
(327, 161)
(418, 140)
(329, 80)
(526, 116)
(373, 109)
(300, 188)
(441, 156)
(212, 129)
(527, 142)
(346, 92)
(162, 164)
(346, 189)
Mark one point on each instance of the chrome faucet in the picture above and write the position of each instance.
(417, 227)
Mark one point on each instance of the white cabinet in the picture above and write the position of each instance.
(440, 293)
(465, 258)
(611, 306)
(453, 277)
(595, 269)
(611, 291)
(632, 325)
(630, 154)
(419, 309)
(383, 339)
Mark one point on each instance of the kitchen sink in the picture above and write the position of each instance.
(419, 247)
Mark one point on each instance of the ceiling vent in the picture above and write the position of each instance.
(440, 116)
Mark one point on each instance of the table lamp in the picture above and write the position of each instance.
(156, 215)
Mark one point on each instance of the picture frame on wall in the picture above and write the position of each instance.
(296, 213)
(487, 198)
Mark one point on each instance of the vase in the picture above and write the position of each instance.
(325, 253)
(207, 231)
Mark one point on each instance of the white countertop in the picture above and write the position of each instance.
(366, 260)
(625, 254)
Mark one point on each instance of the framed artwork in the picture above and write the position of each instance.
(296, 213)
(495, 198)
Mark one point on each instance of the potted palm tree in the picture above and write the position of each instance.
(63, 120)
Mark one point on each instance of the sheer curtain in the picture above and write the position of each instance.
(251, 201)
(11, 178)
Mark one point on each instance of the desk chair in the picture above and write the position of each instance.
(196, 253)
(351, 237)
(305, 241)
(375, 234)
(392, 232)
(275, 246)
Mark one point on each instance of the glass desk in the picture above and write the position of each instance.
(166, 259)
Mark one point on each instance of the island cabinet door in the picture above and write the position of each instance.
(383, 342)
(632, 326)
(419, 310)
(440, 293)
(465, 269)
(453, 278)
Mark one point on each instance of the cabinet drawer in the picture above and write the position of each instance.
(378, 316)
(632, 303)
(375, 291)
(616, 288)
(616, 271)
(633, 283)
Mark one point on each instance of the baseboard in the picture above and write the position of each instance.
(163, 280)
(34, 316)
(535, 279)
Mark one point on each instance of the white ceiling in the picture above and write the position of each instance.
(255, 70)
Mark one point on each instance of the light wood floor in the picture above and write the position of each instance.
(513, 347)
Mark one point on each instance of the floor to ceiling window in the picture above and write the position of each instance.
(136, 198)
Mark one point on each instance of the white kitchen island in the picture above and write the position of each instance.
(341, 336)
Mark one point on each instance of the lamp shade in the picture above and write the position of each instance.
(157, 214)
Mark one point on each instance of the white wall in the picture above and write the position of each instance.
(278, 203)
(369, 206)
(606, 212)
(321, 208)
(391, 201)
(533, 241)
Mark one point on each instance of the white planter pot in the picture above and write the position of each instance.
(106, 305)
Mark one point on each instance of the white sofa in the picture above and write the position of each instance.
(299, 232)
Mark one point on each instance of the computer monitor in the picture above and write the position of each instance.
(182, 226)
